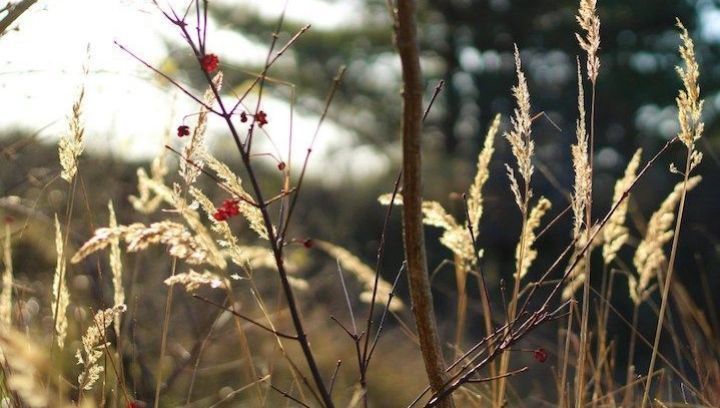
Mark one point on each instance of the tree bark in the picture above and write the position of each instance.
(418, 278)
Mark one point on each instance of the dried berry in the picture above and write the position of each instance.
(183, 131)
(540, 355)
(261, 118)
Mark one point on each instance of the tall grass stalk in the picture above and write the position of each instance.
(691, 129)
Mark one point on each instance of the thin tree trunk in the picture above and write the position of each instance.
(420, 291)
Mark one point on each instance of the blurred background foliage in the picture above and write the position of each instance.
(467, 44)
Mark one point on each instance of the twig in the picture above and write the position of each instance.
(436, 92)
(288, 396)
(247, 319)
(476, 251)
(168, 78)
(382, 319)
(508, 374)
(14, 12)
(328, 101)
(334, 376)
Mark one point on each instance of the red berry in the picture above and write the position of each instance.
(261, 118)
(220, 215)
(281, 166)
(183, 131)
(308, 243)
(209, 62)
(540, 355)
(243, 117)
(231, 207)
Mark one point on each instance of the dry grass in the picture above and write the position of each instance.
(261, 322)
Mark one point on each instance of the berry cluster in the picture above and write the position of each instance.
(260, 118)
(228, 209)
(183, 131)
(209, 63)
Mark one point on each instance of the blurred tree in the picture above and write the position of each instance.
(469, 43)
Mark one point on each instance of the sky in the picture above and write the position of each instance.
(127, 109)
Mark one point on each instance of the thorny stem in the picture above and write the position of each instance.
(668, 280)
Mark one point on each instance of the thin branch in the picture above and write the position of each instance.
(476, 251)
(168, 78)
(334, 376)
(14, 12)
(438, 89)
(508, 374)
(288, 396)
(328, 101)
(247, 319)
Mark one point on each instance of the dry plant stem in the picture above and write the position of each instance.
(668, 280)
(419, 282)
(461, 307)
(631, 356)
(512, 308)
(328, 100)
(598, 230)
(276, 248)
(602, 319)
(685, 381)
(507, 340)
(275, 243)
(365, 359)
(118, 375)
(247, 319)
(63, 276)
(288, 396)
(14, 12)
(582, 355)
(163, 340)
(477, 350)
(487, 307)
(367, 353)
(513, 335)
(562, 391)
(203, 345)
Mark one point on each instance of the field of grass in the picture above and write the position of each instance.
(198, 279)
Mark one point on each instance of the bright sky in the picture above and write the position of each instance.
(127, 109)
